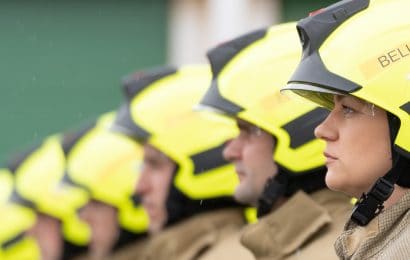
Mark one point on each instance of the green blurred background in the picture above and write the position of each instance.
(62, 60)
(293, 10)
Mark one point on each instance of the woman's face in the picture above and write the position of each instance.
(357, 145)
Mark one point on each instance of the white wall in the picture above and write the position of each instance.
(197, 25)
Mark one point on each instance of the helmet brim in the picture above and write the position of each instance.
(316, 94)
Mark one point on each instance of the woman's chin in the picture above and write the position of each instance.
(333, 181)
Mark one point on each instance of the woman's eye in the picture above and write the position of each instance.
(248, 131)
(347, 110)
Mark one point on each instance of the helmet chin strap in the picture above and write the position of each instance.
(371, 203)
(287, 183)
(71, 250)
(275, 188)
(180, 207)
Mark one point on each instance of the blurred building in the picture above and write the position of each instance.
(195, 26)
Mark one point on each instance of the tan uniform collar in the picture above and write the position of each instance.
(187, 238)
(356, 237)
(289, 227)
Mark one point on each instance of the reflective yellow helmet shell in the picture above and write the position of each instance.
(165, 110)
(37, 179)
(15, 219)
(6, 184)
(246, 85)
(108, 164)
(14, 244)
(366, 54)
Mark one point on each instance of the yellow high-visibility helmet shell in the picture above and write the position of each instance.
(365, 53)
(37, 179)
(14, 244)
(108, 164)
(6, 184)
(165, 110)
(247, 84)
(15, 219)
(268, 56)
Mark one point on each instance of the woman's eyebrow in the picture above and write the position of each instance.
(339, 98)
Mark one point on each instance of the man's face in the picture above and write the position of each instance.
(103, 222)
(47, 233)
(154, 184)
(252, 153)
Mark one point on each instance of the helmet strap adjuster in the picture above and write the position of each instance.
(275, 187)
(371, 204)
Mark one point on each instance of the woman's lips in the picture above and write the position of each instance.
(329, 157)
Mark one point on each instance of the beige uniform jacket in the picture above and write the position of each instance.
(229, 248)
(385, 237)
(304, 227)
(193, 237)
(133, 251)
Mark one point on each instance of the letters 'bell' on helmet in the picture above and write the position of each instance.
(160, 108)
(15, 220)
(107, 164)
(37, 180)
(362, 48)
(248, 73)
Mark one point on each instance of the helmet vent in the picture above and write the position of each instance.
(222, 54)
(136, 82)
(406, 107)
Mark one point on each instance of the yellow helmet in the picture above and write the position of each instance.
(108, 164)
(37, 179)
(247, 75)
(15, 220)
(160, 108)
(6, 185)
(361, 48)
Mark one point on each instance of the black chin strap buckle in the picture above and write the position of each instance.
(275, 187)
(371, 204)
